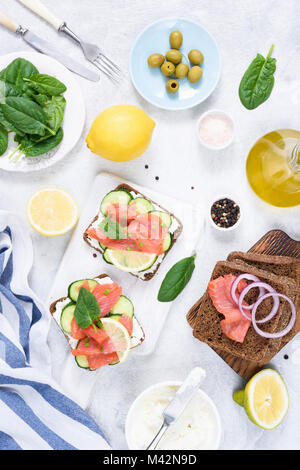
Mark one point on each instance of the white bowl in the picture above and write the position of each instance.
(215, 112)
(129, 419)
(224, 229)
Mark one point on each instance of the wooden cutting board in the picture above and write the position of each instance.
(275, 242)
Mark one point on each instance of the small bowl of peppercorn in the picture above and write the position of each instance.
(225, 214)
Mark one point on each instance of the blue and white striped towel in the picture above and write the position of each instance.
(35, 413)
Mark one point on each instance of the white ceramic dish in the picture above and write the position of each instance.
(74, 117)
(215, 112)
(129, 419)
(222, 229)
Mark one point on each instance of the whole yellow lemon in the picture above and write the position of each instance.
(120, 133)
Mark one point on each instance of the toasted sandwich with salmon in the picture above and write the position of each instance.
(251, 306)
(98, 322)
(132, 232)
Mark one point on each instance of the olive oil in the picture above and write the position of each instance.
(273, 168)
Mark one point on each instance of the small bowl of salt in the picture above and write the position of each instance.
(215, 129)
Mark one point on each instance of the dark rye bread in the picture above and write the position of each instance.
(147, 275)
(52, 309)
(281, 266)
(207, 325)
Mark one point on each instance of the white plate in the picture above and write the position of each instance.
(74, 117)
(78, 263)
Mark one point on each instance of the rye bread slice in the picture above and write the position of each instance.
(281, 266)
(52, 310)
(207, 325)
(147, 275)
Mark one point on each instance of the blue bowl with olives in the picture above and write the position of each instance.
(175, 64)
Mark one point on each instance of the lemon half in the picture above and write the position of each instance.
(52, 212)
(265, 399)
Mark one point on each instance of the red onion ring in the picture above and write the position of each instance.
(249, 277)
(285, 330)
(261, 285)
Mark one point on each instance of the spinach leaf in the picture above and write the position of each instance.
(111, 228)
(3, 140)
(16, 71)
(46, 84)
(46, 143)
(258, 81)
(8, 125)
(54, 109)
(176, 279)
(87, 309)
(25, 115)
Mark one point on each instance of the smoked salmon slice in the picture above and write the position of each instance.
(235, 326)
(100, 360)
(127, 322)
(144, 234)
(122, 213)
(86, 347)
(107, 296)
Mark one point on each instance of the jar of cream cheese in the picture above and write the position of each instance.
(198, 428)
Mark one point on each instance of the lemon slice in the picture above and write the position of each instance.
(52, 212)
(119, 337)
(266, 399)
(131, 261)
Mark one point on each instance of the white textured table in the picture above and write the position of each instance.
(241, 29)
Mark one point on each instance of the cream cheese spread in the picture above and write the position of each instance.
(197, 428)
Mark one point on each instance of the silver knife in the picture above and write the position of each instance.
(176, 407)
(46, 48)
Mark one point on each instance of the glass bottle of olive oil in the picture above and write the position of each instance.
(273, 168)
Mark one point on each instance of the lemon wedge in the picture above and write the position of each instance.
(52, 212)
(130, 261)
(119, 337)
(265, 399)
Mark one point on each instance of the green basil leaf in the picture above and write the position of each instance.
(46, 84)
(176, 279)
(87, 309)
(33, 148)
(25, 115)
(258, 81)
(16, 71)
(111, 228)
(3, 140)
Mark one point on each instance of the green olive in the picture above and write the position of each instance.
(174, 56)
(175, 39)
(195, 74)
(172, 86)
(196, 57)
(155, 60)
(181, 70)
(168, 69)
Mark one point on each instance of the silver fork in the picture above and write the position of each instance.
(95, 55)
(91, 52)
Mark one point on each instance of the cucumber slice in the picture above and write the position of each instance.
(67, 316)
(166, 218)
(167, 241)
(106, 256)
(102, 246)
(82, 362)
(115, 197)
(142, 205)
(123, 306)
(115, 316)
(73, 291)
